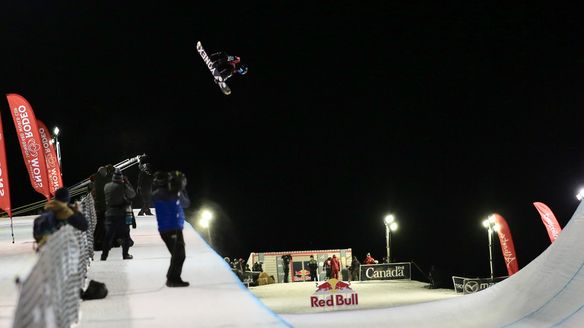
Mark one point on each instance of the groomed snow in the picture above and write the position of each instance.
(545, 293)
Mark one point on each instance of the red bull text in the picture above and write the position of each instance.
(333, 293)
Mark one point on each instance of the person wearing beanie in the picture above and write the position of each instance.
(169, 199)
(63, 213)
(118, 198)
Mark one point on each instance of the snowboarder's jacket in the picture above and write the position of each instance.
(169, 208)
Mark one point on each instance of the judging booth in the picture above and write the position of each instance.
(272, 263)
(386, 271)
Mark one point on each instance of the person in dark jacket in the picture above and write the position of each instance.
(102, 176)
(170, 197)
(144, 188)
(286, 264)
(64, 213)
(313, 267)
(118, 197)
(355, 266)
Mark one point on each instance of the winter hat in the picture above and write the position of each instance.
(118, 176)
(161, 179)
(62, 195)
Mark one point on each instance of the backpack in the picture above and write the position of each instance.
(96, 290)
(44, 225)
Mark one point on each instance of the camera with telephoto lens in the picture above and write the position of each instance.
(177, 181)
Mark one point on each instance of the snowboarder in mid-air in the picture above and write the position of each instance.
(227, 65)
(222, 66)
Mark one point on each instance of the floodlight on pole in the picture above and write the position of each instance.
(491, 225)
(206, 216)
(56, 132)
(390, 225)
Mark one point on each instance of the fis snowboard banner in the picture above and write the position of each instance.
(507, 246)
(30, 143)
(549, 220)
(4, 186)
(53, 169)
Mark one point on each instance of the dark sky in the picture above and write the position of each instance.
(440, 114)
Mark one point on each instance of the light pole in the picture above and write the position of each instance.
(390, 225)
(491, 225)
(205, 221)
(58, 146)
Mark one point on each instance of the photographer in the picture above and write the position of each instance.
(170, 197)
(118, 195)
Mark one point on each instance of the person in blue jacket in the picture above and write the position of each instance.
(170, 197)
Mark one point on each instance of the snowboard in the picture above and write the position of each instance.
(218, 80)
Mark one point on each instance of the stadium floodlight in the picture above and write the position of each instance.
(390, 225)
(206, 216)
(491, 224)
(580, 194)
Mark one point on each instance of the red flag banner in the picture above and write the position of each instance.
(4, 185)
(507, 246)
(53, 170)
(549, 220)
(30, 143)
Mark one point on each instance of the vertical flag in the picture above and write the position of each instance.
(507, 246)
(30, 143)
(4, 185)
(53, 170)
(549, 220)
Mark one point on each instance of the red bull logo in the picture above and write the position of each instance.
(332, 293)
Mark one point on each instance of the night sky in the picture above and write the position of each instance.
(440, 114)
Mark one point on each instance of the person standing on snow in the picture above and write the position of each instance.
(335, 267)
(313, 267)
(118, 197)
(145, 188)
(170, 197)
(355, 265)
(286, 265)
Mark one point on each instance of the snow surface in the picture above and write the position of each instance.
(546, 293)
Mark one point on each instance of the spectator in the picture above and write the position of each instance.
(355, 266)
(313, 267)
(145, 188)
(170, 198)
(118, 195)
(327, 267)
(104, 175)
(58, 212)
(335, 267)
(369, 259)
(286, 263)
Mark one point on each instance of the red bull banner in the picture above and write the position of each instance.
(4, 186)
(53, 169)
(507, 246)
(549, 220)
(334, 293)
(30, 143)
